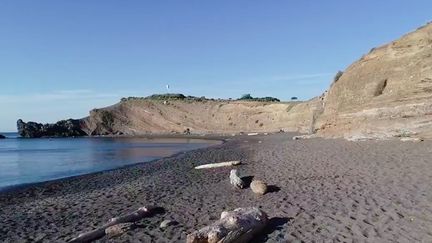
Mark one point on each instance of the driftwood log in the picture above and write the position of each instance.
(216, 165)
(238, 226)
(137, 215)
(235, 180)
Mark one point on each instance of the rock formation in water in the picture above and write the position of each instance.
(387, 93)
(64, 128)
(2, 136)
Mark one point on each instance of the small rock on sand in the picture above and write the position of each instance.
(259, 187)
(166, 223)
(235, 179)
(118, 229)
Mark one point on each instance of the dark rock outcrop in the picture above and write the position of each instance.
(2, 136)
(64, 128)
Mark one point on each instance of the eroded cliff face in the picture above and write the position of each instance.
(387, 93)
(142, 116)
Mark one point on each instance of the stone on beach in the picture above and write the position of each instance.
(259, 187)
(235, 179)
(240, 225)
(118, 229)
(166, 223)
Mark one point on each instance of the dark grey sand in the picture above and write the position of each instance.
(324, 190)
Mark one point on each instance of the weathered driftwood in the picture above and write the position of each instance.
(308, 136)
(253, 134)
(216, 165)
(236, 226)
(129, 218)
(235, 180)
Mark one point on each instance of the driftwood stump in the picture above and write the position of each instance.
(235, 180)
(236, 226)
(139, 214)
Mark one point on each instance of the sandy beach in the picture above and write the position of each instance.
(321, 190)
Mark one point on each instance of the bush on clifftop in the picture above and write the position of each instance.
(261, 99)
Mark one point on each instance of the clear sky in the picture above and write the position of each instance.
(61, 58)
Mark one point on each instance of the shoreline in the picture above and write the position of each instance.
(337, 190)
(218, 140)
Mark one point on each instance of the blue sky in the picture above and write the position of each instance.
(61, 58)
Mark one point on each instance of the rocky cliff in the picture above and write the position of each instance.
(65, 128)
(387, 93)
(141, 116)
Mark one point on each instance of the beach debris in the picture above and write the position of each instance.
(166, 223)
(235, 180)
(303, 137)
(118, 229)
(252, 134)
(409, 139)
(240, 225)
(137, 215)
(220, 164)
(39, 237)
(259, 187)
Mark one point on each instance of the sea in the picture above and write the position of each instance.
(24, 161)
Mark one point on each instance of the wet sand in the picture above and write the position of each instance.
(322, 190)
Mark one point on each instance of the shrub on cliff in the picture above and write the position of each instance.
(246, 97)
(337, 76)
(107, 118)
(165, 97)
(262, 99)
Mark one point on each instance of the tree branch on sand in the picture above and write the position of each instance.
(137, 215)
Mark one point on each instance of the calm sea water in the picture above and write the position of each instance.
(35, 160)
